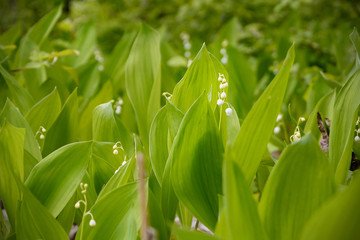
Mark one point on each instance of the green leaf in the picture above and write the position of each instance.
(196, 155)
(258, 125)
(240, 208)
(18, 93)
(115, 64)
(86, 116)
(162, 132)
(55, 179)
(114, 205)
(121, 177)
(242, 82)
(12, 114)
(201, 75)
(12, 165)
(299, 184)
(32, 41)
(104, 125)
(64, 129)
(34, 221)
(45, 112)
(158, 143)
(342, 127)
(143, 79)
(338, 218)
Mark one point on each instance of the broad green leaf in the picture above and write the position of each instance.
(128, 227)
(242, 82)
(12, 165)
(67, 215)
(162, 132)
(337, 219)
(300, 183)
(18, 93)
(143, 79)
(240, 208)
(34, 221)
(86, 116)
(342, 127)
(104, 126)
(40, 31)
(122, 176)
(64, 129)
(45, 112)
(158, 143)
(258, 125)
(201, 76)
(183, 234)
(196, 155)
(55, 179)
(113, 206)
(169, 201)
(12, 114)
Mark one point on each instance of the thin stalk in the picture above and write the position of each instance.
(83, 217)
(220, 116)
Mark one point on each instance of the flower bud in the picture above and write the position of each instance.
(228, 111)
(92, 223)
(220, 102)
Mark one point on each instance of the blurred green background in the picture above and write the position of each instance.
(313, 23)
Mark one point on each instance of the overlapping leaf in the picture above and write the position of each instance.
(196, 156)
(258, 125)
(299, 184)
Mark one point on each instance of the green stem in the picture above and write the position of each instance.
(83, 217)
(220, 117)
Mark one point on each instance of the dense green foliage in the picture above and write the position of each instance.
(242, 123)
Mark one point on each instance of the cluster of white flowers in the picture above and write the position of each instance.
(224, 59)
(357, 130)
(100, 59)
(117, 146)
(41, 132)
(277, 129)
(297, 135)
(84, 187)
(222, 95)
(118, 105)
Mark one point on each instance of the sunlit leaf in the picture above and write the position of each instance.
(258, 125)
(196, 154)
(301, 181)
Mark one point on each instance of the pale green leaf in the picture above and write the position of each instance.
(258, 125)
(201, 76)
(143, 79)
(337, 219)
(18, 93)
(342, 127)
(55, 179)
(64, 129)
(12, 165)
(109, 212)
(45, 112)
(300, 183)
(34, 221)
(196, 155)
(240, 208)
